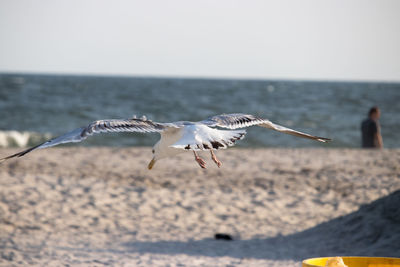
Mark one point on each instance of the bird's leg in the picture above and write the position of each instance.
(199, 160)
(214, 158)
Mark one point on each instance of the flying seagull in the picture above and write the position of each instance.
(177, 137)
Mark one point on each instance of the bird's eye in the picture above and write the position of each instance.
(152, 150)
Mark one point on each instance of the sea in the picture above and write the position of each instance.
(35, 108)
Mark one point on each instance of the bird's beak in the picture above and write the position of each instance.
(151, 164)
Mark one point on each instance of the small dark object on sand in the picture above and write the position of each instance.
(226, 237)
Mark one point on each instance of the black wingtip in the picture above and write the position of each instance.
(324, 139)
(10, 157)
(19, 154)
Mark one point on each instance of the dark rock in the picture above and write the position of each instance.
(219, 236)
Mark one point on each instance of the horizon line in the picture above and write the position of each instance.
(196, 77)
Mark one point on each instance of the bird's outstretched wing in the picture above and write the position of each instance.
(235, 121)
(100, 126)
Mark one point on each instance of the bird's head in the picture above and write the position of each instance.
(151, 164)
(153, 160)
(161, 151)
(156, 156)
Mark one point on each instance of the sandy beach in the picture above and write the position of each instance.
(81, 206)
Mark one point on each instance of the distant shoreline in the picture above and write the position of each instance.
(216, 78)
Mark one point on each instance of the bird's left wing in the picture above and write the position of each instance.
(100, 126)
(234, 121)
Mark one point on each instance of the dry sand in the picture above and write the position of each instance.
(101, 206)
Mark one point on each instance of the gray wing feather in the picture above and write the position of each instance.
(100, 126)
(130, 125)
(234, 121)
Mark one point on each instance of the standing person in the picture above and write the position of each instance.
(370, 130)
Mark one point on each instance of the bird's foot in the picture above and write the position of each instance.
(214, 158)
(199, 160)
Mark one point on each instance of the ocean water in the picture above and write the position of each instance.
(36, 107)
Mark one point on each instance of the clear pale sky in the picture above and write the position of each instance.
(312, 39)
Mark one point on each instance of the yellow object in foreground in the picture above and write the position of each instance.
(355, 262)
(335, 262)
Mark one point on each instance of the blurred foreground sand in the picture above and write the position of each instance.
(101, 206)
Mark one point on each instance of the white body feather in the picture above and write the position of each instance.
(194, 137)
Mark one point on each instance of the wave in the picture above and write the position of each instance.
(22, 139)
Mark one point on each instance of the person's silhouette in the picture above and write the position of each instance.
(370, 130)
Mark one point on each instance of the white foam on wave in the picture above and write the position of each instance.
(21, 139)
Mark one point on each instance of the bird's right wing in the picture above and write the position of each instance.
(100, 126)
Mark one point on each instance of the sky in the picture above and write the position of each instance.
(307, 40)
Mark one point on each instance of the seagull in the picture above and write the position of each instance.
(216, 132)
